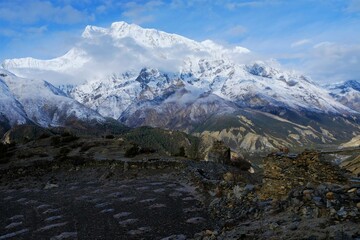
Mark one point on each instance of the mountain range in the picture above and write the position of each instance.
(148, 77)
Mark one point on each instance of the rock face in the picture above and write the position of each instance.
(283, 173)
(219, 153)
(354, 142)
(352, 163)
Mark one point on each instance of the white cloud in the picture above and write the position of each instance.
(300, 43)
(101, 9)
(232, 5)
(354, 6)
(30, 12)
(140, 13)
(332, 62)
(9, 32)
(105, 6)
(37, 30)
(236, 31)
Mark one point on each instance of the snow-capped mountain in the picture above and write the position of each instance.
(171, 59)
(29, 100)
(11, 110)
(149, 77)
(347, 93)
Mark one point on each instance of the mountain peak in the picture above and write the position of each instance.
(93, 31)
(124, 25)
(345, 86)
(148, 37)
(352, 84)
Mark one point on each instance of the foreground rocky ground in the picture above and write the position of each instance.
(81, 194)
(81, 204)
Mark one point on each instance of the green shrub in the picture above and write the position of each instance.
(110, 136)
(181, 152)
(133, 151)
(3, 150)
(64, 151)
(44, 135)
(55, 140)
(69, 138)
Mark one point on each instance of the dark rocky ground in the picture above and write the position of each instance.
(90, 203)
(49, 193)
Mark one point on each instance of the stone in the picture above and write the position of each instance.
(65, 235)
(51, 226)
(307, 212)
(321, 189)
(308, 192)
(13, 234)
(126, 166)
(209, 232)
(249, 187)
(318, 201)
(52, 218)
(332, 211)
(310, 185)
(273, 226)
(293, 226)
(13, 225)
(218, 192)
(228, 177)
(175, 237)
(122, 214)
(352, 190)
(128, 222)
(139, 231)
(358, 205)
(50, 186)
(157, 205)
(16, 217)
(195, 220)
(238, 192)
(330, 196)
(219, 153)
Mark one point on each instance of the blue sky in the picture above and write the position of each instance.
(319, 37)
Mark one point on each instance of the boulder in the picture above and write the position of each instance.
(219, 153)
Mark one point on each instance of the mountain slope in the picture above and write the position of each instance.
(41, 102)
(347, 93)
(10, 108)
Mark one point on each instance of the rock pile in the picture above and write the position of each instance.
(298, 193)
(219, 153)
(283, 173)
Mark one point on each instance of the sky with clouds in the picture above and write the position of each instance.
(318, 37)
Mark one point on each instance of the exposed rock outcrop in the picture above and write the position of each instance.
(219, 153)
(283, 173)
